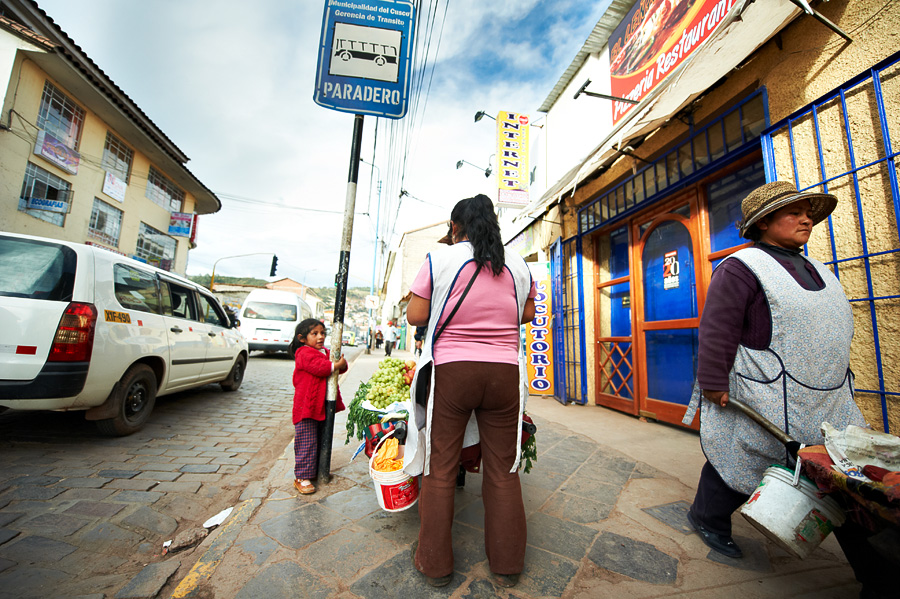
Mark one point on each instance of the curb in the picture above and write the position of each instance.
(209, 561)
(206, 566)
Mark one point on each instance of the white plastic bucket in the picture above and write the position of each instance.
(396, 491)
(795, 518)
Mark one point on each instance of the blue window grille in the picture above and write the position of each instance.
(842, 144)
(727, 137)
(569, 335)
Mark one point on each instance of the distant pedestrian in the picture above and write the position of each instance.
(312, 367)
(379, 339)
(392, 335)
(419, 338)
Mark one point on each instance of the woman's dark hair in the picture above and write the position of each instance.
(302, 331)
(753, 233)
(475, 218)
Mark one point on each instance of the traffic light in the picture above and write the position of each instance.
(274, 266)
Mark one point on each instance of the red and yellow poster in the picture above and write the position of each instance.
(655, 37)
(513, 175)
(539, 335)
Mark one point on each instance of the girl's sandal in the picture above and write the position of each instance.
(304, 487)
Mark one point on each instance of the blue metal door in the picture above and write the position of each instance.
(559, 350)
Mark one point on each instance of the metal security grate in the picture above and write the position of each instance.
(842, 144)
(702, 152)
(569, 334)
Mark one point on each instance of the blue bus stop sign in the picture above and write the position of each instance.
(364, 57)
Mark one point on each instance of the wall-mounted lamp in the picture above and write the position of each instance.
(481, 114)
(583, 90)
(487, 171)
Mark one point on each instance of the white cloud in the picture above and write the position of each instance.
(231, 83)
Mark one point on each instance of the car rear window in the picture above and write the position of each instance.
(36, 269)
(270, 311)
(136, 289)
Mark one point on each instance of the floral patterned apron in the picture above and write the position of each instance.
(801, 380)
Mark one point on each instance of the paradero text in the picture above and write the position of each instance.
(362, 93)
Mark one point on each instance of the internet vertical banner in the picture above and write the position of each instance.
(539, 335)
(513, 175)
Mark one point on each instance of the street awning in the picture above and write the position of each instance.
(747, 26)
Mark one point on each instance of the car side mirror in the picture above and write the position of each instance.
(235, 322)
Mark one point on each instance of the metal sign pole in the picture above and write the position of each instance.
(340, 301)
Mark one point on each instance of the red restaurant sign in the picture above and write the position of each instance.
(655, 37)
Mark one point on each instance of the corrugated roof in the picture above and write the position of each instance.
(25, 33)
(594, 43)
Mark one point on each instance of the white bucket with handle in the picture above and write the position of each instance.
(794, 517)
(396, 491)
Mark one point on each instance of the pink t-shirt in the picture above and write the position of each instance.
(486, 326)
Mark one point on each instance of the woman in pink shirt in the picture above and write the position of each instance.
(472, 296)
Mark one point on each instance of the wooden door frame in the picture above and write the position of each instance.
(600, 398)
(703, 258)
(648, 407)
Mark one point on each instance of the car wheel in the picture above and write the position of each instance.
(379, 60)
(236, 376)
(134, 397)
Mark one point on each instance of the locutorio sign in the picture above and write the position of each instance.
(538, 334)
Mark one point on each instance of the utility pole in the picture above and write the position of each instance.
(340, 302)
(371, 341)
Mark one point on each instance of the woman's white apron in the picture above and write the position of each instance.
(801, 380)
(446, 264)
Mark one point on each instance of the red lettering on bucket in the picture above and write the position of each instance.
(401, 495)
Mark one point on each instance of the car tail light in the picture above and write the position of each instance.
(74, 338)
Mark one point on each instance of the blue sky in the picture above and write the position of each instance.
(231, 83)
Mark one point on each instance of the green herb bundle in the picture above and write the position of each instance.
(359, 418)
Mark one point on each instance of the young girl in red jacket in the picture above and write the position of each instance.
(312, 367)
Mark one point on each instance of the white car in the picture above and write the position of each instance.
(269, 318)
(83, 328)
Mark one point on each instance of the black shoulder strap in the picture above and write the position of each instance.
(458, 304)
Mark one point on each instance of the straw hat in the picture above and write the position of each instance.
(778, 194)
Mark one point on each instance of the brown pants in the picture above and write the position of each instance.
(491, 391)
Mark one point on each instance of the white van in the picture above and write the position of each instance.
(83, 328)
(269, 317)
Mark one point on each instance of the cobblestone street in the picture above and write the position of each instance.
(83, 514)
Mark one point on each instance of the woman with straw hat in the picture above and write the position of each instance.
(775, 333)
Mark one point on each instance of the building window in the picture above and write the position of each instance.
(155, 248)
(60, 117)
(117, 157)
(729, 133)
(164, 192)
(106, 223)
(724, 205)
(44, 195)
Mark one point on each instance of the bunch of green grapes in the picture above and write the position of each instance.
(387, 385)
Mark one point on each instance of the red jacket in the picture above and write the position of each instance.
(311, 371)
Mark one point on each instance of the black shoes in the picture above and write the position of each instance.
(722, 543)
(441, 581)
(506, 580)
